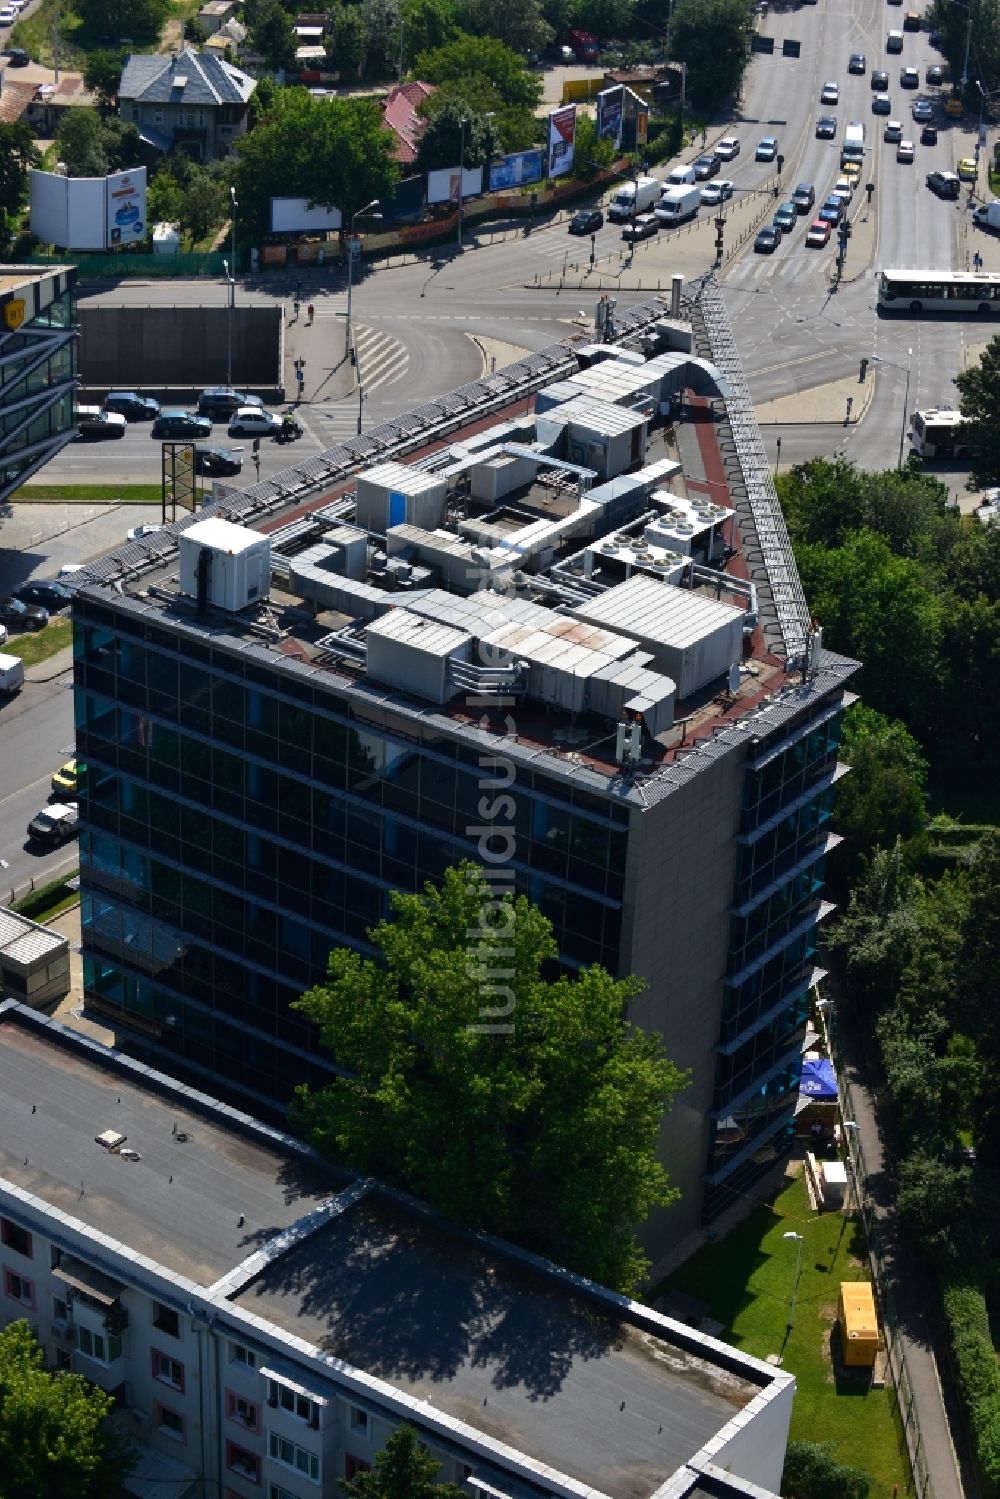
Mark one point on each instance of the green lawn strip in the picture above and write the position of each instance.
(35, 32)
(48, 900)
(41, 644)
(89, 494)
(746, 1280)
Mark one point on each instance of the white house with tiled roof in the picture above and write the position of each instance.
(193, 100)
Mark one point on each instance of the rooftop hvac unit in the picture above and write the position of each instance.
(224, 565)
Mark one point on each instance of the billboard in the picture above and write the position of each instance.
(295, 215)
(609, 113)
(125, 216)
(515, 170)
(88, 213)
(442, 185)
(562, 137)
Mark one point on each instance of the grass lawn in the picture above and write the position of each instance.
(40, 645)
(48, 901)
(89, 494)
(34, 34)
(746, 1280)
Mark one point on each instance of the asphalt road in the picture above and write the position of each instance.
(37, 731)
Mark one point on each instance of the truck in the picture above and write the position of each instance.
(632, 198)
(11, 674)
(987, 216)
(678, 205)
(853, 148)
(584, 46)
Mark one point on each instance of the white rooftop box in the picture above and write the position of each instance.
(224, 565)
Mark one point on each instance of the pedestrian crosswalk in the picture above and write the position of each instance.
(382, 359)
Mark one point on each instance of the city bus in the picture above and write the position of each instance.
(939, 291)
(937, 433)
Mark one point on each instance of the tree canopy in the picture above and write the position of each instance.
(543, 1129)
(272, 33)
(713, 38)
(476, 62)
(17, 155)
(53, 1438)
(979, 403)
(404, 1469)
(330, 151)
(102, 74)
(92, 147)
(884, 797)
(139, 20)
(444, 137)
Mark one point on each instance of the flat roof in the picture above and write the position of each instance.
(180, 1203)
(501, 1346)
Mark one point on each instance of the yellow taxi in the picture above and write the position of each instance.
(851, 169)
(968, 169)
(66, 779)
(953, 106)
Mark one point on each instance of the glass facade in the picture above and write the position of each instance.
(38, 370)
(787, 804)
(240, 822)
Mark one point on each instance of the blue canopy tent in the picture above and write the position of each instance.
(819, 1082)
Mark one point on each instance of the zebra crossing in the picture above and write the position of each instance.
(382, 359)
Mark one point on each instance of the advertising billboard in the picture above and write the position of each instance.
(515, 170)
(609, 113)
(295, 216)
(125, 207)
(442, 185)
(562, 137)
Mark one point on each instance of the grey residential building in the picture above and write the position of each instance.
(264, 1322)
(38, 368)
(193, 100)
(291, 707)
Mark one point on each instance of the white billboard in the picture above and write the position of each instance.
(294, 216)
(88, 213)
(562, 139)
(442, 185)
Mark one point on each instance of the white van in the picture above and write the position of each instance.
(633, 198)
(677, 176)
(11, 674)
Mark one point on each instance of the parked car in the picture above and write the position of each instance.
(706, 166)
(830, 93)
(893, 130)
(16, 57)
(717, 192)
(856, 63)
(928, 136)
(879, 81)
(8, 15)
(909, 78)
(586, 221)
(52, 596)
(18, 616)
(132, 406)
(645, 226)
(818, 234)
(138, 532)
(968, 169)
(727, 148)
(945, 185)
(804, 197)
(65, 782)
(54, 824)
(175, 423)
(881, 104)
(219, 402)
(905, 151)
(786, 217)
(922, 111)
(91, 421)
(217, 462)
(767, 241)
(767, 149)
(826, 128)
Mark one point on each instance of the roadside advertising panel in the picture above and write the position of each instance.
(442, 185)
(294, 216)
(562, 138)
(515, 170)
(126, 207)
(609, 113)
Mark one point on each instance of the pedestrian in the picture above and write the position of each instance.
(311, 311)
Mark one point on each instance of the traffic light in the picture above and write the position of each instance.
(781, 165)
(256, 446)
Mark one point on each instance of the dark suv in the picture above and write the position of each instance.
(706, 166)
(18, 616)
(220, 403)
(879, 81)
(132, 406)
(586, 221)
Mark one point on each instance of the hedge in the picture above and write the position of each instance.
(978, 1374)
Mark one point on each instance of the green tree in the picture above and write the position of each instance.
(83, 143)
(272, 34)
(713, 38)
(194, 32)
(347, 39)
(812, 1472)
(53, 1437)
(884, 797)
(481, 62)
(590, 153)
(330, 151)
(17, 155)
(936, 1204)
(524, 1106)
(426, 24)
(204, 203)
(404, 1469)
(519, 24)
(444, 136)
(142, 20)
(979, 403)
(606, 17)
(102, 75)
(381, 18)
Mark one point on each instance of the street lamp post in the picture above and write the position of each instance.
(350, 270)
(878, 359)
(798, 1272)
(231, 280)
(461, 177)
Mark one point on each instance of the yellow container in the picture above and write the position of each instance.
(859, 1338)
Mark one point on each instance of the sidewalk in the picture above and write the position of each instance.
(911, 1288)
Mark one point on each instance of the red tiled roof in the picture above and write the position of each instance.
(399, 112)
(15, 97)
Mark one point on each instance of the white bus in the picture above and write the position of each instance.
(937, 433)
(940, 291)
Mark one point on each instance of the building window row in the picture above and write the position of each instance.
(788, 774)
(13, 1236)
(780, 975)
(760, 863)
(19, 1288)
(291, 1455)
(769, 922)
(168, 1370)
